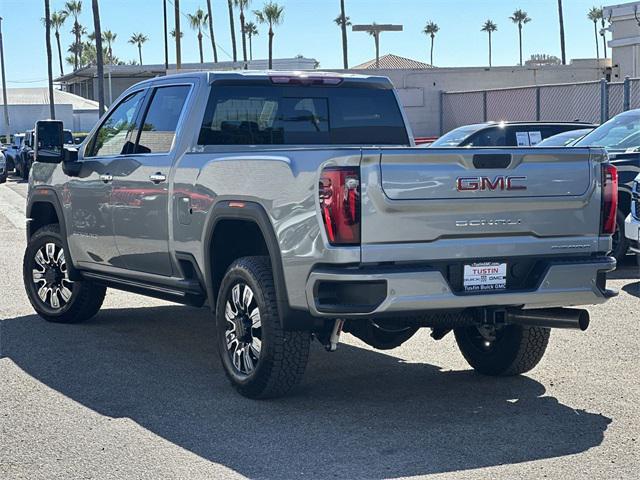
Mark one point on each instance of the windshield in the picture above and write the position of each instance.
(564, 139)
(68, 137)
(455, 137)
(620, 133)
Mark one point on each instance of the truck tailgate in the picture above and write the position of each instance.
(434, 204)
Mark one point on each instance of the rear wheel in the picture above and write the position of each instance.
(509, 350)
(260, 359)
(52, 294)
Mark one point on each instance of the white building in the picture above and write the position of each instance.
(625, 38)
(27, 105)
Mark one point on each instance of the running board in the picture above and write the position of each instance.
(191, 295)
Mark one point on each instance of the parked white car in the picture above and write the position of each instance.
(632, 223)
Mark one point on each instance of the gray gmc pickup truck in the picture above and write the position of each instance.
(295, 207)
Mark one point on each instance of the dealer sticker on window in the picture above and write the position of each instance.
(485, 276)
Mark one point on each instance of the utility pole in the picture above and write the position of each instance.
(166, 40)
(4, 86)
(177, 15)
(375, 30)
(99, 57)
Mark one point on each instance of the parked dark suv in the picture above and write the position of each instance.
(24, 159)
(505, 134)
(12, 151)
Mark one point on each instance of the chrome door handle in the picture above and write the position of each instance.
(106, 178)
(157, 177)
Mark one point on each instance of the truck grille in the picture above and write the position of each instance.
(635, 200)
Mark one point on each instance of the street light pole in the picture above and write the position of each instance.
(4, 85)
(375, 30)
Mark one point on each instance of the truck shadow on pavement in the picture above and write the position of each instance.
(358, 414)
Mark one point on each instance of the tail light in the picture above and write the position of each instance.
(609, 198)
(340, 204)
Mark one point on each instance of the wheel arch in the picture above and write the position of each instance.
(43, 208)
(249, 215)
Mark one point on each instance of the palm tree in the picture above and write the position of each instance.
(74, 8)
(47, 22)
(273, 14)
(489, 27)
(232, 28)
(602, 32)
(198, 20)
(173, 33)
(177, 34)
(430, 30)
(78, 31)
(251, 30)
(561, 22)
(57, 21)
(99, 58)
(211, 34)
(344, 22)
(520, 18)
(242, 4)
(594, 15)
(138, 39)
(109, 37)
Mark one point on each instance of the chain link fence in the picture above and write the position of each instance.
(593, 102)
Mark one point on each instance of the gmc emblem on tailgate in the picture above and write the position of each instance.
(501, 182)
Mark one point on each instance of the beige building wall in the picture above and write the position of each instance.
(419, 90)
(625, 39)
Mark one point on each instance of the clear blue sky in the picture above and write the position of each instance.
(308, 29)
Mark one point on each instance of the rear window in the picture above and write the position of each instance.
(302, 115)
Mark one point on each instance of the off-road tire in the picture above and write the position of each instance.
(283, 354)
(516, 350)
(86, 298)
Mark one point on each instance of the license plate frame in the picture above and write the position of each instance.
(484, 277)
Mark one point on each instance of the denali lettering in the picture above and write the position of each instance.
(488, 222)
(501, 182)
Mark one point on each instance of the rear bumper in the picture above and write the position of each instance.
(352, 293)
(632, 232)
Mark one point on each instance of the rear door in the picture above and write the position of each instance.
(466, 203)
(140, 199)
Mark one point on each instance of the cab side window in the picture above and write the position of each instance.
(161, 120)
(112, 136)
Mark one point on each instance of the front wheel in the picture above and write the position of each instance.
(53, 295)
(509, 350)
(260, 358)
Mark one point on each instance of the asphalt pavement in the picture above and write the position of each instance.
(138, 393)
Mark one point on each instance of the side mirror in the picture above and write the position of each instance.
(70, 164)
(49, 141)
